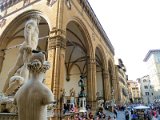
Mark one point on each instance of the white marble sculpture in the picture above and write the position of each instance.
(33, 96)
(19, 72)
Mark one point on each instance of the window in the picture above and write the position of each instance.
(146, 93)
(152, 93)
(144, 80)
(145, 87)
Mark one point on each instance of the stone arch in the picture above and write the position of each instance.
(102, 55)
(100, 59)
(13, 36)
(79, 22)
(79, 49)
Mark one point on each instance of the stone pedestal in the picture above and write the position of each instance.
(82, 104)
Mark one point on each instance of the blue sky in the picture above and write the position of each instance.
(133, 27)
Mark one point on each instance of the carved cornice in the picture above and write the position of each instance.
(91, 61)
(51, 2)
(57, 39)
(89, 11)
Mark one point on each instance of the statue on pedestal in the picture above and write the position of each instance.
(33, 97)
(82, 95)
(81, 84)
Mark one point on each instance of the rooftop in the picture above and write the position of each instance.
(149, 54)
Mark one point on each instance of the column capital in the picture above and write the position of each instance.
(57, 38)
(91, 61)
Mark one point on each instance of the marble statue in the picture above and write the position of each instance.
(34, 96)
(18, 74)
(72, 92)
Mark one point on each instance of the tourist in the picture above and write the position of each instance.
(109, 117)
(127, 115)
(114, 118)
(90, 116)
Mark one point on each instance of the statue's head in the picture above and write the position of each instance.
(36, 17)
(37, 62)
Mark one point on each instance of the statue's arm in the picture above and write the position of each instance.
(15, 101)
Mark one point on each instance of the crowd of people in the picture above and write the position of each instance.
(130, 113)
(151, 113)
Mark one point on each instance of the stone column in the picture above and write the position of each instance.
(91, 83)
(51, 57)
(115, 95)
(57, 55)
(106, 85)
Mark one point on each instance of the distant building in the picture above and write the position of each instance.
(134, 91)
(152, 60)
(122, 95)
(147, 91)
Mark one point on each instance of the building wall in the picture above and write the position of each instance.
(146, 89)
(153, 64)
(58, 18)
(134, 90)
(122, 96)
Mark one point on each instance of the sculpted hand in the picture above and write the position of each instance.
(46, 65)
(28, 49)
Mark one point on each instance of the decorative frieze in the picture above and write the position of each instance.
(68, 4)
(26, 2)
(51, 2)
(8, 3)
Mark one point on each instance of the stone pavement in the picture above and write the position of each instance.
(120, 115)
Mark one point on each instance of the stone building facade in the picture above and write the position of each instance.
(147, 90)
(123, 96)
(74, 41)
(152, 61)
(134, 91)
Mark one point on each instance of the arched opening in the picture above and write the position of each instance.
(75, 60)
(99, 74)
(13, 37)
